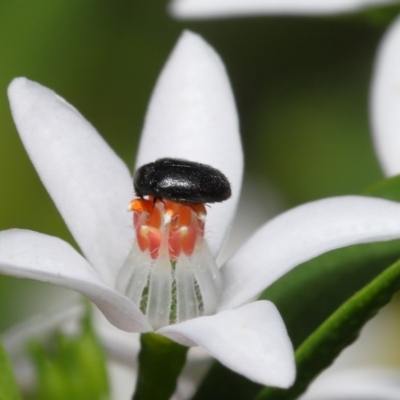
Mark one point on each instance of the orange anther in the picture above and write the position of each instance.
(185, 225)
(185, 216)
(140, 205)
(188, 239)
(149, 238)
(155, 218)
(172, 208)
(141, 237)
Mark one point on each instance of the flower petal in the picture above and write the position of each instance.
(385, 101)
(89, 184)
(192, 115)
(304, 233)
(365, 383)
(32, 255)
(251, 340)
(199, 9)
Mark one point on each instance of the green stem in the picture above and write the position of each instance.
(160, 362)
(320, 349)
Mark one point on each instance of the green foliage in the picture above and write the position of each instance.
(72, 367)
(320, 349)
(386, 189)
(160, 363)
(8, 384)
(381, 16)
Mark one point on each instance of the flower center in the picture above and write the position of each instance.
(170, 273)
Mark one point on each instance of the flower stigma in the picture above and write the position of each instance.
(170, 273)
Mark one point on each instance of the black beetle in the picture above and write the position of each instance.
(181, 181)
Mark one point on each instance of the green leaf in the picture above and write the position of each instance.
(71, 367)
(8, 384)
(160, 362)
(337, 332)
(386, 189)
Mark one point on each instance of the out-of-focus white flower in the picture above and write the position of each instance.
(369, 368)
(191, 115)
(205, 9)
(357, 384)
(385, 101)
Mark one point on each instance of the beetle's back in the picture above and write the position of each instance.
(189, 182)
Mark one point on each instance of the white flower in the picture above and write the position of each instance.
(202, 9)
(363, 383)
(385, 101)
(191, 115)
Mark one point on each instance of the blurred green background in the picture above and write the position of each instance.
(301, 87)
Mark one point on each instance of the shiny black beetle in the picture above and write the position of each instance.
(181, 181)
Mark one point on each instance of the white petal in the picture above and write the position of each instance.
(27, 254)
(365, 384)
(199, 9)
(192, 115)
(385, 101)
(251, 340)
(89, 184)
(304, 233)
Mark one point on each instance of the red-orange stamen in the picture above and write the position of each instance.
(185, 216)
(140, 205)
(188, 239)
(155, 218)
(142, 239)
(185, 225)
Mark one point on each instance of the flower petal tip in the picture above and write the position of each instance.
(25, 94)
(18, 82)
(188, 35)
(193, 40)
(17, 87)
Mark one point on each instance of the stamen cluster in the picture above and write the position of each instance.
(186, 225)
(170, 273)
